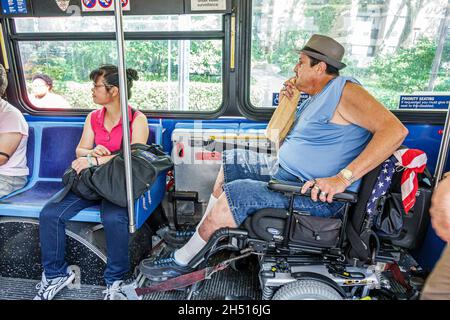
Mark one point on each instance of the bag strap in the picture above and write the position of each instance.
(358, 247)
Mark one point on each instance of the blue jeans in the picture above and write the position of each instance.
(52, 221)
(246, 174)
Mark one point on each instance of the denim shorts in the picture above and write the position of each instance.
(246, 174)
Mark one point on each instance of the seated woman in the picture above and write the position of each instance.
(13, 144)
(42, 95)
(102, 135)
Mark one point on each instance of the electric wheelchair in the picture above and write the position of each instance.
(306, 257)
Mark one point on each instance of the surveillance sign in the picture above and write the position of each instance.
(208, 5)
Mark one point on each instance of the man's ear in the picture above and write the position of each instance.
(321, 67)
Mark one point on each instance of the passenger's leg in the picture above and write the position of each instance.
(52, 221)
(240, 164)
(176, 264)
(220, 217)
(9, 184)
(52, 225)
(115, 222)
(437, 286)
(217, 191)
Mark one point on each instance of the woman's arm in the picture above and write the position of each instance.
(140, 130)
(87, 139)
(8, 145)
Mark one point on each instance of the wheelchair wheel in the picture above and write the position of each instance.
(306, 290)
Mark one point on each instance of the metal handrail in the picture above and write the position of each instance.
(124, 108)
(443, 150)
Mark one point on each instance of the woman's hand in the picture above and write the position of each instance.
(100, 151)
(79, 164)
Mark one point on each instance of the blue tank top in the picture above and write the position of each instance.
(316, 147)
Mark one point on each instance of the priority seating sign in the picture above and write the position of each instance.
(102, 5)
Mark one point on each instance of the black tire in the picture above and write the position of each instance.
(306, 290)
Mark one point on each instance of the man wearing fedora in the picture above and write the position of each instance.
(340, 133)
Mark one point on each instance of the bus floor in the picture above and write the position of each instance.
(228, 283)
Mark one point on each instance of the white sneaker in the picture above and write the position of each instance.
(115, 292)
(49, 288)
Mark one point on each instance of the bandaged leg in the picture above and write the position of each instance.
(211, 203)
(185, 254)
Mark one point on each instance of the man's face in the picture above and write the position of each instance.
(304, 72)
(40, 88)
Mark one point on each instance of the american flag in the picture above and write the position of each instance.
(414, 161)
(382, 185)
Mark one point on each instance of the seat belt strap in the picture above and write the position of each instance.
(182, 281)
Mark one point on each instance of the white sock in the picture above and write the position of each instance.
(185, 254)
(211, 203)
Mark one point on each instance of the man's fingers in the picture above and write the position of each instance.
(306, 186)
(314, 192)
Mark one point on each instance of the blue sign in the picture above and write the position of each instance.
(89, 3)
(105, 3)
(14, 7)
(275, 98)
(424, 102)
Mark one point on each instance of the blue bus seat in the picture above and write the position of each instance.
(51, 149)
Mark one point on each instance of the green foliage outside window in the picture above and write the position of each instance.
(70, 63)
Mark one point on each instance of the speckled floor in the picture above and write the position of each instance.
(25, 289)
(221, 285)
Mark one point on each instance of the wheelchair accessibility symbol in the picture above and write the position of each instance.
(105, 3)
(89, 3)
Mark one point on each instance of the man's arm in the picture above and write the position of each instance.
(8, 144)
(440, 209)
(359, 107)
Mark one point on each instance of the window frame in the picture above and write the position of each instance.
(264, 114)
(20, 95)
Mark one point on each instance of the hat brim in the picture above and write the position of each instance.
(332, 62)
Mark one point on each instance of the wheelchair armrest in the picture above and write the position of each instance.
(295, 188)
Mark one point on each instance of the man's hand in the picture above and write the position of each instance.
(440, 209)
(288, 89)
(100, 151)
(79, 164)
(324, 188)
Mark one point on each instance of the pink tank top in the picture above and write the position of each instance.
(109, 139)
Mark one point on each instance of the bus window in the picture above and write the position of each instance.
(391, 46)
(174, 74)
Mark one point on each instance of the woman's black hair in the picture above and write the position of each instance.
(48, 81)
(110, 74)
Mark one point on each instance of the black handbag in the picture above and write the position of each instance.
(315, 231)
(107, 181)
(392, 223)
(148, 161)
(389, 220)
